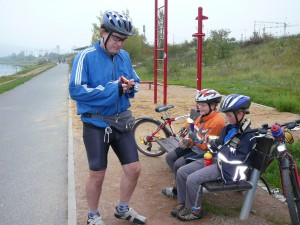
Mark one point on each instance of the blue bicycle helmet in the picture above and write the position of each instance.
(115, 22)
(235, 102)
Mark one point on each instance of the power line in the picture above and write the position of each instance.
(283, 25)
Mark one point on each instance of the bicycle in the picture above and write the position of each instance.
(147, 130)
(288, 169)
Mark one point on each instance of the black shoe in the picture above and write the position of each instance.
(188, 214)
(177, 210)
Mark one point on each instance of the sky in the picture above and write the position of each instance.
(45, 24)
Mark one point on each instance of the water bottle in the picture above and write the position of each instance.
(208, 159)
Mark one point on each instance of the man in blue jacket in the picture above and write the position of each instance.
(102, 82)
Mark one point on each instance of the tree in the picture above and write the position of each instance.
(217, 46)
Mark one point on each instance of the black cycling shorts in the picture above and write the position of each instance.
(122, 143)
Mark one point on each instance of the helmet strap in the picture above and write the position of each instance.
(210, 110)
(236, 117)
(105, 43)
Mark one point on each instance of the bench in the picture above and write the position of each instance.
(260, 159)
(259, 163)
(168, 144)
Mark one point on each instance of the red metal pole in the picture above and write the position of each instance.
(165, 51)
(155, 49)
(199, 36)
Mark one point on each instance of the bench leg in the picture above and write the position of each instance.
(247, 204)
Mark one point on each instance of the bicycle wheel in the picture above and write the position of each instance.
(291, 193)
(145, 141)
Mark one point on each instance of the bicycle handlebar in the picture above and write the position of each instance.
(265, 127)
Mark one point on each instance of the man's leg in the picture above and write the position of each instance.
(93, 188)
(127, 187)
(129, 180)
(96, 150)
(125, 149)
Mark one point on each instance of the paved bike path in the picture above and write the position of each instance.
(34, 150)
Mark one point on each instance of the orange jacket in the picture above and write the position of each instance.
(211, 124)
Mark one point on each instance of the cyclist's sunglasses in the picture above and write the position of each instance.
(117, 39)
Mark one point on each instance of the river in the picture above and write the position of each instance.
(6, 69)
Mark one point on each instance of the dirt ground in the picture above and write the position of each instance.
(147, 198)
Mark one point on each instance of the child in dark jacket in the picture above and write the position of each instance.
(233, 149)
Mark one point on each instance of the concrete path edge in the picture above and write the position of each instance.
(72, 216)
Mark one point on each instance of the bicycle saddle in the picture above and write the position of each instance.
(162, 108)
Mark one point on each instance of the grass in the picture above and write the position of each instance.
(268, 73)
(9, 82)
(221, 210)
(14, 83)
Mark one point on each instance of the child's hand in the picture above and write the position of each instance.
(184, 143)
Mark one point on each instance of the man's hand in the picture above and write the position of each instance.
(124, 80)
(127, 85)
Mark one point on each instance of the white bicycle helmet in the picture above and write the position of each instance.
(208, 95)
(116, 22)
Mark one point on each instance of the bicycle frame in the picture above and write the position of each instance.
(167, 124)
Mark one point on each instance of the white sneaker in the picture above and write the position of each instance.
(95, 220)
(131, 215)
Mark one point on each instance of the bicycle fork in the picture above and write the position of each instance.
(287, 162)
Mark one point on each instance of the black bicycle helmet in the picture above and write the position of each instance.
(115, 22)
(208, 95)
(235, 102)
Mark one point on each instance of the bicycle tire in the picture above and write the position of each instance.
(296, 191)
(144, 128)
(289, 192)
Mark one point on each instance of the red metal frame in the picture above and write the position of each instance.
(165, 52)
(155, 49)
(199, 36)
(165, 59)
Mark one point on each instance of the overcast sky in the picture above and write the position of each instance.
(45, 24)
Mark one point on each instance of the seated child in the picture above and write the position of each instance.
(233, 149)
